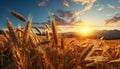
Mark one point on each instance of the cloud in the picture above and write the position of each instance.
(70, 16)
(113, 19)
(84, 1)
(113, 7)
(72, 21)
(41, 3)
(66, 3)
(64, 14)
(118, 0)
(76, 13)
(100, 8)
(59, 21)
(88, 5)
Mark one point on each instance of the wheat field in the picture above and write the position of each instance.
(21, 48)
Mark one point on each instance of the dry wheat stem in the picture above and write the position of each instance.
(54, 31)
(19, 16)
(47, 34)
(26, 32)
(12, 32)
(47, 27)
(38, 30)
(6, 35)
(86, 52)
(62, 43)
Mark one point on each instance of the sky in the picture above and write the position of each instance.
(70, 14)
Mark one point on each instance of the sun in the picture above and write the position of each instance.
(85, 31)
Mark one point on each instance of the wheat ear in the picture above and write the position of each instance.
(86, 52)
(19, 16)
(12, 32)
(54, 31)
(26, 32)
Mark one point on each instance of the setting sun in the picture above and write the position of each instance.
(85, 30)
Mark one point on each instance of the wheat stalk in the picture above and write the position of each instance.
(20, 32)
(32, 41)
(12, 32)
(47, 27)
(17, 58)
(54, 31)
(6, 35)
(38, 30)
(26, 32)
(86, 52)
(19, 16)
(47, 34)
(62, 43)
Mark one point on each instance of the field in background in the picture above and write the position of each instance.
(111, 43)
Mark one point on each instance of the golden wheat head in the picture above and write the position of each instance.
(19, 16)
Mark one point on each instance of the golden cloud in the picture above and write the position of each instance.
(66, 3)
(100, 8)
(113, 7)
(113, 19)
(88, 5)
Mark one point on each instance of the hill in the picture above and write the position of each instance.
(107, 34)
